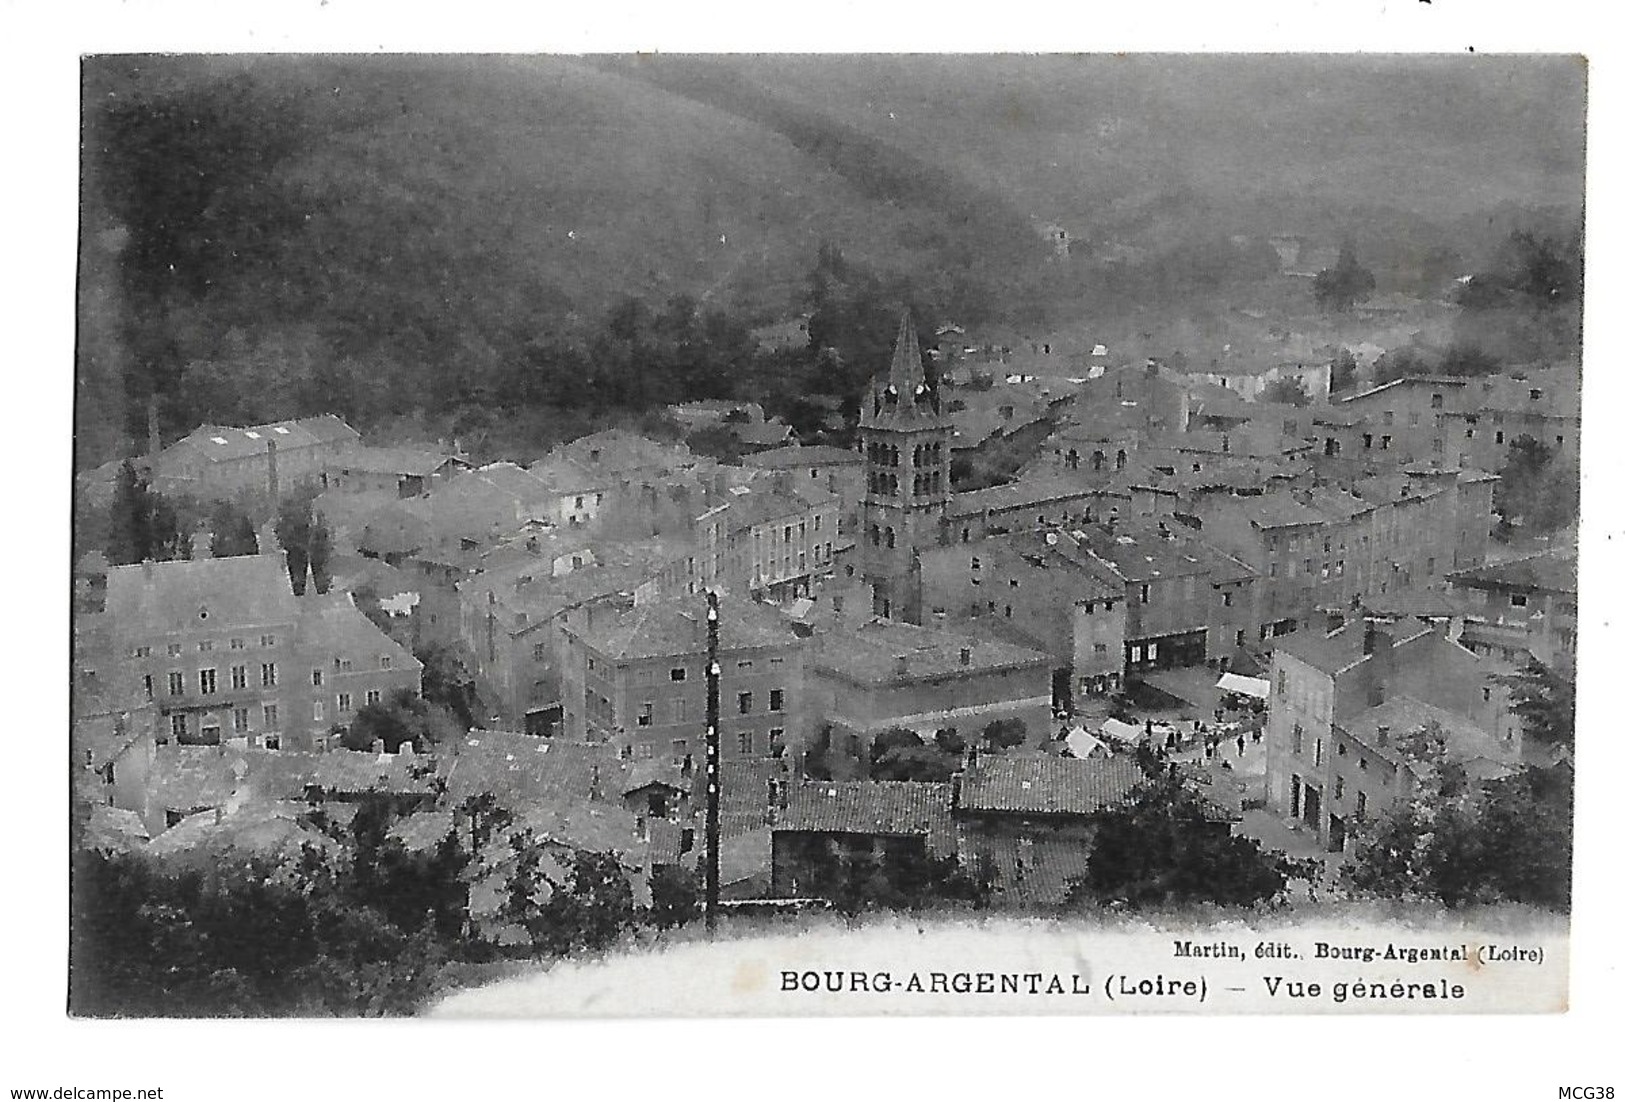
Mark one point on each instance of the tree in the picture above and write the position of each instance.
(1543, 699)
(1344, 370)
(674, 895)
(1537, 487)
(1339, 287)
(1163, 848)
(899, 754)
(1460, 843)
(404, 717)
(145, 525)
(306, 541)
(446, 681)
(1289, 391)
(1003, 734)
(232, 532)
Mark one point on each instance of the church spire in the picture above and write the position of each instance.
(903, 395)
(907, 370)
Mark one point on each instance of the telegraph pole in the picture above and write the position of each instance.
(713, 780)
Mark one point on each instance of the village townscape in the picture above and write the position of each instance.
(1023, 616)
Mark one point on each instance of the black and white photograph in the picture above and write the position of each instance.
(575, 534)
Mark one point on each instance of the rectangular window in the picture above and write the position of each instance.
(373, 696)
(1145, 594)
(239, 677)
(775, 741)
(205, 682)
(679, 750)
(646, 715)
(237, 644)
(747, 743)
(775, 700)
(745, 664)
(267, 640)
(1320, 746)
(1338, 790)
(177, 683)
(268, 675)
(205, 645)
(1227, 599)
(239, 720)
(146, 683)
(679, 673)
(1297, 738)
(383, 661)
(270, 716)
(744, 704)
(316, 678)
(318, 712)
(174, 649)
(177, 726)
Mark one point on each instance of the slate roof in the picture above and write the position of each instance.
(162, 598)
(1045, 785)
(891, 808)
(1550, 571)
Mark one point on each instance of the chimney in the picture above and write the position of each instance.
(1382, 735)
(407, 748)
(270, 469)
(1379, 646)
(377, 746)
(964, 656)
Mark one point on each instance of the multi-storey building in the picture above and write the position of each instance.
(635, 677)
(769, 540)
(865, 678)
(1043, 589)
(1344, 704)
(836, 471)
(1522, 609)
(216, 462)
(225, 650)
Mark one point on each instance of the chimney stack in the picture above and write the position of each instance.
(1378, 646)
(964, 656)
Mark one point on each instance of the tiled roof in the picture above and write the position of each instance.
(1141, 553)
(811, 455)
(677, 625)
(1041, 784)
(869, 653)
(871, 807)
(219, 442)
(114, 830)
(1550, 571)
(1465, 740)
(331, 622)
(524, 769)
(1016, 495)
(181, 596)
(401, 461)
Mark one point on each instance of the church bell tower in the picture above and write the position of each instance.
(905, 438)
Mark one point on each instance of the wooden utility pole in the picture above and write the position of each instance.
(713, 779)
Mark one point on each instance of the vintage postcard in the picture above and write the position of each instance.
(730, 535)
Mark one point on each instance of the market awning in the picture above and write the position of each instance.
(1247, 686)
